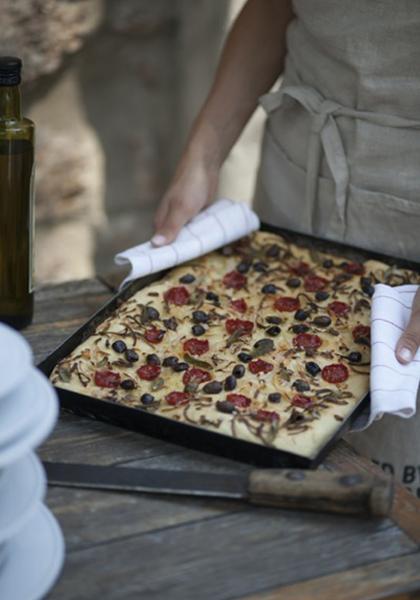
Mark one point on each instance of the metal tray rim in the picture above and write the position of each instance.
(184, 433)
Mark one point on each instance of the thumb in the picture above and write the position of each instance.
(409, 342)
(177, 214)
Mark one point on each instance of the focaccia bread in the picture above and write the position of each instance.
(264, 341)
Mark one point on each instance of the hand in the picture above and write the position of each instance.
(193, 187)
(409, 342)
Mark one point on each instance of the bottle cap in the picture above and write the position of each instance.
(10, 68)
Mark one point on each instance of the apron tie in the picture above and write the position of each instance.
(325, 137)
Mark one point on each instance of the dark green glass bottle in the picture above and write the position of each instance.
(16, 200)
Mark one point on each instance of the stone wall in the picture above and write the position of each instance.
(113, 87)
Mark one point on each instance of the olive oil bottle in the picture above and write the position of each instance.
(16, 200)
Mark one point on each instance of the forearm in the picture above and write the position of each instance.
(251, 61)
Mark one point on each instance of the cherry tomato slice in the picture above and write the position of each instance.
(287, 304)
(301, 401)
(177, 398)
(238, 400)
(234, 280)
(196, 347)
(260, 366)
(177, 295)
(313, 283)
(154, 335)
(107, 379)
(240, 305)
(361, 334)
(148, 372)
(340, 309)
(266, 416)
(354, 268)
(336, 373)
(196, 375)
(233, 325)
(306, 341)
(301, 268)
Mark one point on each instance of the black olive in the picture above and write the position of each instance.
(273, 320)
(327, 264)
(212, 297)
(269, 288)
(244, 357)
(147, 399)
(264, 343)
(230, 383)
(274, 397)
(127, 384)
(238, 371)
(225, 406)
(259, 266)
(170, 361)
(181, 366)
(300, 328)
(322, 321)
(197, 330)
(119, 346)
(301, 386)
(170, 323)
(131, 355)
(213, 387)
(355, 357)
(273, 251)
(367, 287)
(363, 340)
(312, 368)
(273, 331)
(321, 295)
(152, 314)
(243, 267)
(301, 315)
(199, 316)
(293, 282)
(153, 359)
(188, 278)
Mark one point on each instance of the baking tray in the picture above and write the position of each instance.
(185, 434)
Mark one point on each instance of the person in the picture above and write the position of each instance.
(341, 148)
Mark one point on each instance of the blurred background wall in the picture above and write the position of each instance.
(113, 86)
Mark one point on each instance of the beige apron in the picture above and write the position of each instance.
(341, 153)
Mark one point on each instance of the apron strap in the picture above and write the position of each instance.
(325, 136)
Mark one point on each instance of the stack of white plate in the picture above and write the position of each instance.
(31, 543)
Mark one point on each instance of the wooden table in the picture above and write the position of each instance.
(142, 546)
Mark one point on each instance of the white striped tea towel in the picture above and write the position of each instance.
(393, 386)
(221, 223)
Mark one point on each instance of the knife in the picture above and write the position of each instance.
(283, 488)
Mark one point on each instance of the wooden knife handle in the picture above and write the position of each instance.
(322, 491)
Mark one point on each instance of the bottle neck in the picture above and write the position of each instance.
(10, 102)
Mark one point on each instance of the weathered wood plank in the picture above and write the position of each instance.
(226, 557)
(368, 582)
(406, 509)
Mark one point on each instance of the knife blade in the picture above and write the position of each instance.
(323, 491)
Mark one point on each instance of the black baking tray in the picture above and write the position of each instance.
(185, 434)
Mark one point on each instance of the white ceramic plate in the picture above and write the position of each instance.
(18, 407)
(22, 488)
(44, 415)
(15, 359)
(34, 558)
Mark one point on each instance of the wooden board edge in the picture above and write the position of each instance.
(391, 578)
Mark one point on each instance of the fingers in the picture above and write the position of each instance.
(171, 218)
(409, 342)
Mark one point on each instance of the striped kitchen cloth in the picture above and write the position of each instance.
(220, 223)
